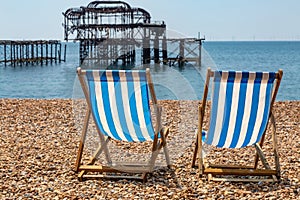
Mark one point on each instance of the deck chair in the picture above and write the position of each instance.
(241, 108)
(118, 101)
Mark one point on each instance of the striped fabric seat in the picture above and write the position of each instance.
(120, 104)
(240, 108)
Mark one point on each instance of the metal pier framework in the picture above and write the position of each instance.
(112, 33)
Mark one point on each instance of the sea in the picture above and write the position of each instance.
(58, 80)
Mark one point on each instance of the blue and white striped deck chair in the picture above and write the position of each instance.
(118, 101)
(241, 107)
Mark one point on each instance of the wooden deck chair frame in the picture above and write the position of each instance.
(213, 170)
(158, 144)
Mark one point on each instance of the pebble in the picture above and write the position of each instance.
(39, 141)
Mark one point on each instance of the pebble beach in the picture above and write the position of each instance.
(39, 142)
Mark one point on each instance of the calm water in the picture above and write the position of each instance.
(57, 80)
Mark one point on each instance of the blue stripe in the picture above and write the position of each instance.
(240, 110)
(214, 108)
(107, 107)
(269, 91)
(272, 77)
(133, 108)
(119, 101)
(146, 108)
(254, 106)
(93, 100)
(227, 109)
(120, 106)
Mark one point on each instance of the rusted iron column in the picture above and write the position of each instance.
(164, 50)
(156, 49)
(200, 48)
(146, 47)
(181, 53)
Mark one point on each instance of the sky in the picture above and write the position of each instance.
(216, 20)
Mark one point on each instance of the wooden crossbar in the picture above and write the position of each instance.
(99, 168)
(230, 166)
(101, 176)
(240, 172)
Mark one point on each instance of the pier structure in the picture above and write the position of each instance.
(25, 52)
(113, 33)
(183, 50)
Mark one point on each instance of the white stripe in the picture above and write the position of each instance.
(220, 111)
(261, 107)
(126, 106)
(247, 110)
(98, 93)
(139, 103)
(234, 108)
(109, 77)
(113, 105)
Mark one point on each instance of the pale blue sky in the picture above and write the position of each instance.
(216, 19)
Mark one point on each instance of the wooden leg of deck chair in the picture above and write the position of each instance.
(261, 145)
(105, 148)
(200, 164)
(275, 148)
(262, 156)
(82, 139)
(164, 135)
(98, 152)
(199, 137)
(195, 153)
(144, 177)
(263, 159)
(154, 155)
(102, 147)
(157, 145)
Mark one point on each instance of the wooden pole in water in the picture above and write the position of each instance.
(37, 52)
(51, 52)
(27, 53)
(65, 53)
(15, 56)
(11, 52)
(59, 53)
(47, 53)
(55, 53)
(21, 53)
(32, 53)
(5, 54)
(42, 55)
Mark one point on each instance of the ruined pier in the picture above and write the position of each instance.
(30, 52)
(112, 33)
